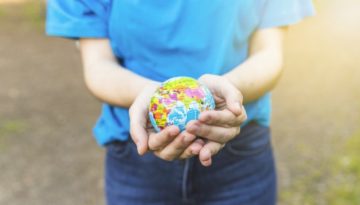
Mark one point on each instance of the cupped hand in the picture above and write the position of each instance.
(222, 124)
(169, 143)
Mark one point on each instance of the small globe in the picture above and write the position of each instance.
(178, 101)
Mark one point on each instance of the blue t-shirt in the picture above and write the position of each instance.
(162, 39)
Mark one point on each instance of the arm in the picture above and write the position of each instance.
(113, 84)
(256, 76)
(105, 78)
(260, 72)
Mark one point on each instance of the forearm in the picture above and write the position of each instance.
(256, 76)
(261, 71)
(105, 78)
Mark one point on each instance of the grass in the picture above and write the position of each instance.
(345, 188)
(10, 128)
(34, 11)
(2, 12)
(30, 12)
(334, 182)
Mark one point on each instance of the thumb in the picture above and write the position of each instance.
(139, 136)
(233, 98)
(138, 128)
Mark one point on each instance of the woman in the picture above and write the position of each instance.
(233, 47)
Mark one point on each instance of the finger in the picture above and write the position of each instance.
(210, 149)
(140, 137)
(211, 132)
(138, 128)
(225, 90)
(163, 138)
(223, 118)
(196, 147)
(232, 96)
(193, 149)
(175, 148)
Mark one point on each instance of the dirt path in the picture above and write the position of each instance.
(47, 154)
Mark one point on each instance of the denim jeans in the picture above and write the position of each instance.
(242, 173)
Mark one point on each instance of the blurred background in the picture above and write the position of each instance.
(48, 155)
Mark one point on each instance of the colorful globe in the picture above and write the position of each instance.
(178, 101)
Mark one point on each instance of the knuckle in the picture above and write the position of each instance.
(209, 118)
(214, 118)
(164, 137)
(242, 118)
(153, 145)
(205, 130)
(178, 149)
(199, 131)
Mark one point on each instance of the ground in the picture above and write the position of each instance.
(48, 154)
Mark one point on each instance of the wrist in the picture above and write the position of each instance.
(230, 77)
(151, 85)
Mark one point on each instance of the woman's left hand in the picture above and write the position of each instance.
(221, 125)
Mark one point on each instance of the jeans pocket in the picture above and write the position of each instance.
(252, 140)
(118, 149)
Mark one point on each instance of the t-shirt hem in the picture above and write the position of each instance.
(287, 19)
(75, 32)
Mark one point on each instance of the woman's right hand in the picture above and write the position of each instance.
(168, 144)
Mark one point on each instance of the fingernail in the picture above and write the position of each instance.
(207, 162)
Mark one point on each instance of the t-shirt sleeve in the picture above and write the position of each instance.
(278, 13)
(77, 18)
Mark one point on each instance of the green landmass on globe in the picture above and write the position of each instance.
(178, 101)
